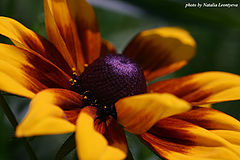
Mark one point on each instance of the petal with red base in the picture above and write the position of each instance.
(202, 88)
(62, 32)
(161, 51)
(27, 39)
(47, 113)
(24, 73)
(87, 27)
(193, 135)
(116, 136)
(90, 143)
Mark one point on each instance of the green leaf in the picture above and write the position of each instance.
(129, 156)
(66, 148)
(11, 117)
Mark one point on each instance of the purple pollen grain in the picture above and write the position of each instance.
(113, 77)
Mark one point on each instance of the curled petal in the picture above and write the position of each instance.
(139, 113)
(62, 32)
(87, 27)
(46, 114)
(27, 39)
(175, 138)
(202, 88)
(90, 143)
(25, 73)
(161, 51)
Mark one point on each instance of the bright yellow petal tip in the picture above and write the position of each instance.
(91, 145)
(139, 113)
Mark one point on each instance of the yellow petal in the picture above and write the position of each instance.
(202, 88)
(91, 144)
(231, 136)
(86, 22)
(46, 114)
(190, 136)
(24, 73)
(139, 113)
(27, 39)
(161, 51)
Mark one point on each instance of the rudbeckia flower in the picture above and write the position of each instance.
(78, 83)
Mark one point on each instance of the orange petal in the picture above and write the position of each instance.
(86, 21)
(27, 39)
(202, 88)
(161, 51)
(46, 114)
(90, 143)
(24, 73)
(174, 138)
(62, 32)
(150, 107)
(107, 48)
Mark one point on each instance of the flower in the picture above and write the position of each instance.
(93, 100)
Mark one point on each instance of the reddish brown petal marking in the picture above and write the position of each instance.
(199, 117)
(46, 73)
(27, 39)
(72, 115)
(66, 99)
(169, 135)
(170, 130)
(148, 63)
(186, 134)
(86, 23)
(162, 147)
(180, 87)
(161, 51)
(107, 48)
(47, 50)
(92, 111)
(116, 136)
(90, 39)
(69, 34)
(164, 70)
(98, 125)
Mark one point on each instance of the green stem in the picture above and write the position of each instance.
(14, 123)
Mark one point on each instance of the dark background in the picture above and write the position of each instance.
(216, 31)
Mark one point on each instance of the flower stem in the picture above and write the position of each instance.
(14, 123)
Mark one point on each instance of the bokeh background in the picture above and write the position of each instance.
(216, 31)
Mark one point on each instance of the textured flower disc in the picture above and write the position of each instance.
(113, 77)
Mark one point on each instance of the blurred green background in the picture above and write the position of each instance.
(216, 31)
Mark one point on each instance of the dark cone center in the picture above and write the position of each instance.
(112, 77)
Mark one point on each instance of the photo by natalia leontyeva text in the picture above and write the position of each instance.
(211, 5)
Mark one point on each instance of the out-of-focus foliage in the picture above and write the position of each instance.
(216, 31)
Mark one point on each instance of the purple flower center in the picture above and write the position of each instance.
(112, 77)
